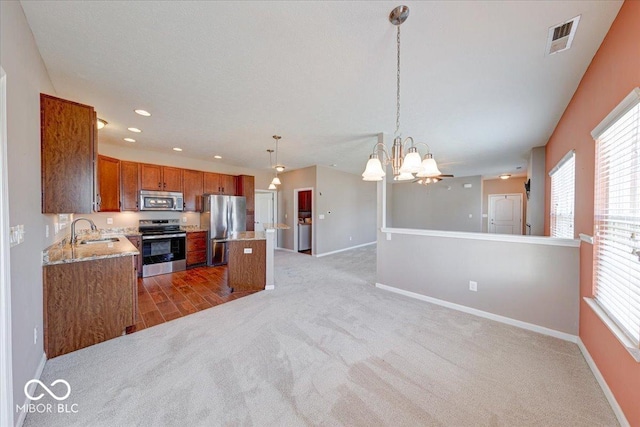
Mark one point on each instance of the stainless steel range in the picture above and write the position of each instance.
(163, 246)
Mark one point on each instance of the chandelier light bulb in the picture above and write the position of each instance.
(373, 171)
(428, 167)
(411, 162)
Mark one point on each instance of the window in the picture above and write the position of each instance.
(563, 180)
(617, 216)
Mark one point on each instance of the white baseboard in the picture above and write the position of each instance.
(286, 250)
(32, 389)
(509, 321)
(603, 385)
(345, 249)
(269, 287)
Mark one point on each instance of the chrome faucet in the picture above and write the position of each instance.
(74, 238)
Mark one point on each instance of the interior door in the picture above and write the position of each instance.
(505, 213)
(264, 210)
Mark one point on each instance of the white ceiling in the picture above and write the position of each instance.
(223, 77)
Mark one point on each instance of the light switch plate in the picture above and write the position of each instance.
(320, 216)
(109, 221)
(248, 250)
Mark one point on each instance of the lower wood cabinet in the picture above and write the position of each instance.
(247, 264)
(196, 248)
(137, 242)
(87, 302)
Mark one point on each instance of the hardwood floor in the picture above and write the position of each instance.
(170, 296)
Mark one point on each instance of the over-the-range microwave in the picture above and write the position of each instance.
(161, 201)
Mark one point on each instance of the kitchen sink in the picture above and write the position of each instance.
(103, 240)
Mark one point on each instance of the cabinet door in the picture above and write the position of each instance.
(129, 185)
(211, 183)
(245, 186)
(227, 185)
(108, 185)
(171, 179)
(137, 242)
(67, 131)
(150, 177)
(192, 190)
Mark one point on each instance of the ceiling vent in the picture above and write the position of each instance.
(561, 36)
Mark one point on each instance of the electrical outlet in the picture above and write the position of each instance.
(473, 286)
(248, 250)
(184, 219)
(46, 230)
(35, 335)
(350, 238)
(109, 221)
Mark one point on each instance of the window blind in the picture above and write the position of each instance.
(563, 196)
(617, 217)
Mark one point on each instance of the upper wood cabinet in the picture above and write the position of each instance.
(129, 185)
(108, 185)
(160, 178)
(192, 190)
(218, 183)
(304, 201)
(245, 186)
(68, 140)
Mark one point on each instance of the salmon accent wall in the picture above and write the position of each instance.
(612, 74)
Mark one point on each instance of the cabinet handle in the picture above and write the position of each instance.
(159, 185)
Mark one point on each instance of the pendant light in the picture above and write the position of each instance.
(272, 186)
(404, 167)
(276, 180)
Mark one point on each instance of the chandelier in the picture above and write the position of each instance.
(409, 166)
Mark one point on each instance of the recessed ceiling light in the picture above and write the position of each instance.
(217, 157)
(130, 140)
(101, 123)
(143, 113)
(136, 130)
(334, 165)
(177, 149)
(505, 176)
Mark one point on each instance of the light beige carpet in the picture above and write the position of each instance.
(328, 348)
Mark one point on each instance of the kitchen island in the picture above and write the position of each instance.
(247, 260)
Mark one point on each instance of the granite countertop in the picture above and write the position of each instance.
(246, 235)
(192, 228)
(64, 253)
(277, 226)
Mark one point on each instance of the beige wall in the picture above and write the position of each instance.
(535, 205)
(26, 78)
(538, 284)
(349, 207)
(299, 178)
(503, 186)
(445, 205)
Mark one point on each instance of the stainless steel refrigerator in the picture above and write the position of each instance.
(221, 216)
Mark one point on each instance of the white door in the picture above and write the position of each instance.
(264, 210)
(505, 213)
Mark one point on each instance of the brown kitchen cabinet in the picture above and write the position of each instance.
(68, 150)
(192, 190)
(219, 183)
(160, 178)
(129, 186)
(245, 186)
(196, 248)
(108, 185)
(247, 268)
(137, 242)
(87, 302)
(304, 201)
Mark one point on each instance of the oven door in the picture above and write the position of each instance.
(163, 253)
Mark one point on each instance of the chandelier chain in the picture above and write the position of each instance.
(398, 86)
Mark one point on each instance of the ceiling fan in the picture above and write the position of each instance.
(431, 180)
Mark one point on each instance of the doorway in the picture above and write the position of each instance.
(505, 214)
(265, 209)
(303, 207)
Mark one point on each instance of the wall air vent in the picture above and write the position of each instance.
(561, 36)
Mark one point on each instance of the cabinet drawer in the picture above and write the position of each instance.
(196, 241)
(196, 257)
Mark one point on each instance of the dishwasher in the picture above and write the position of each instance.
(304, 237)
